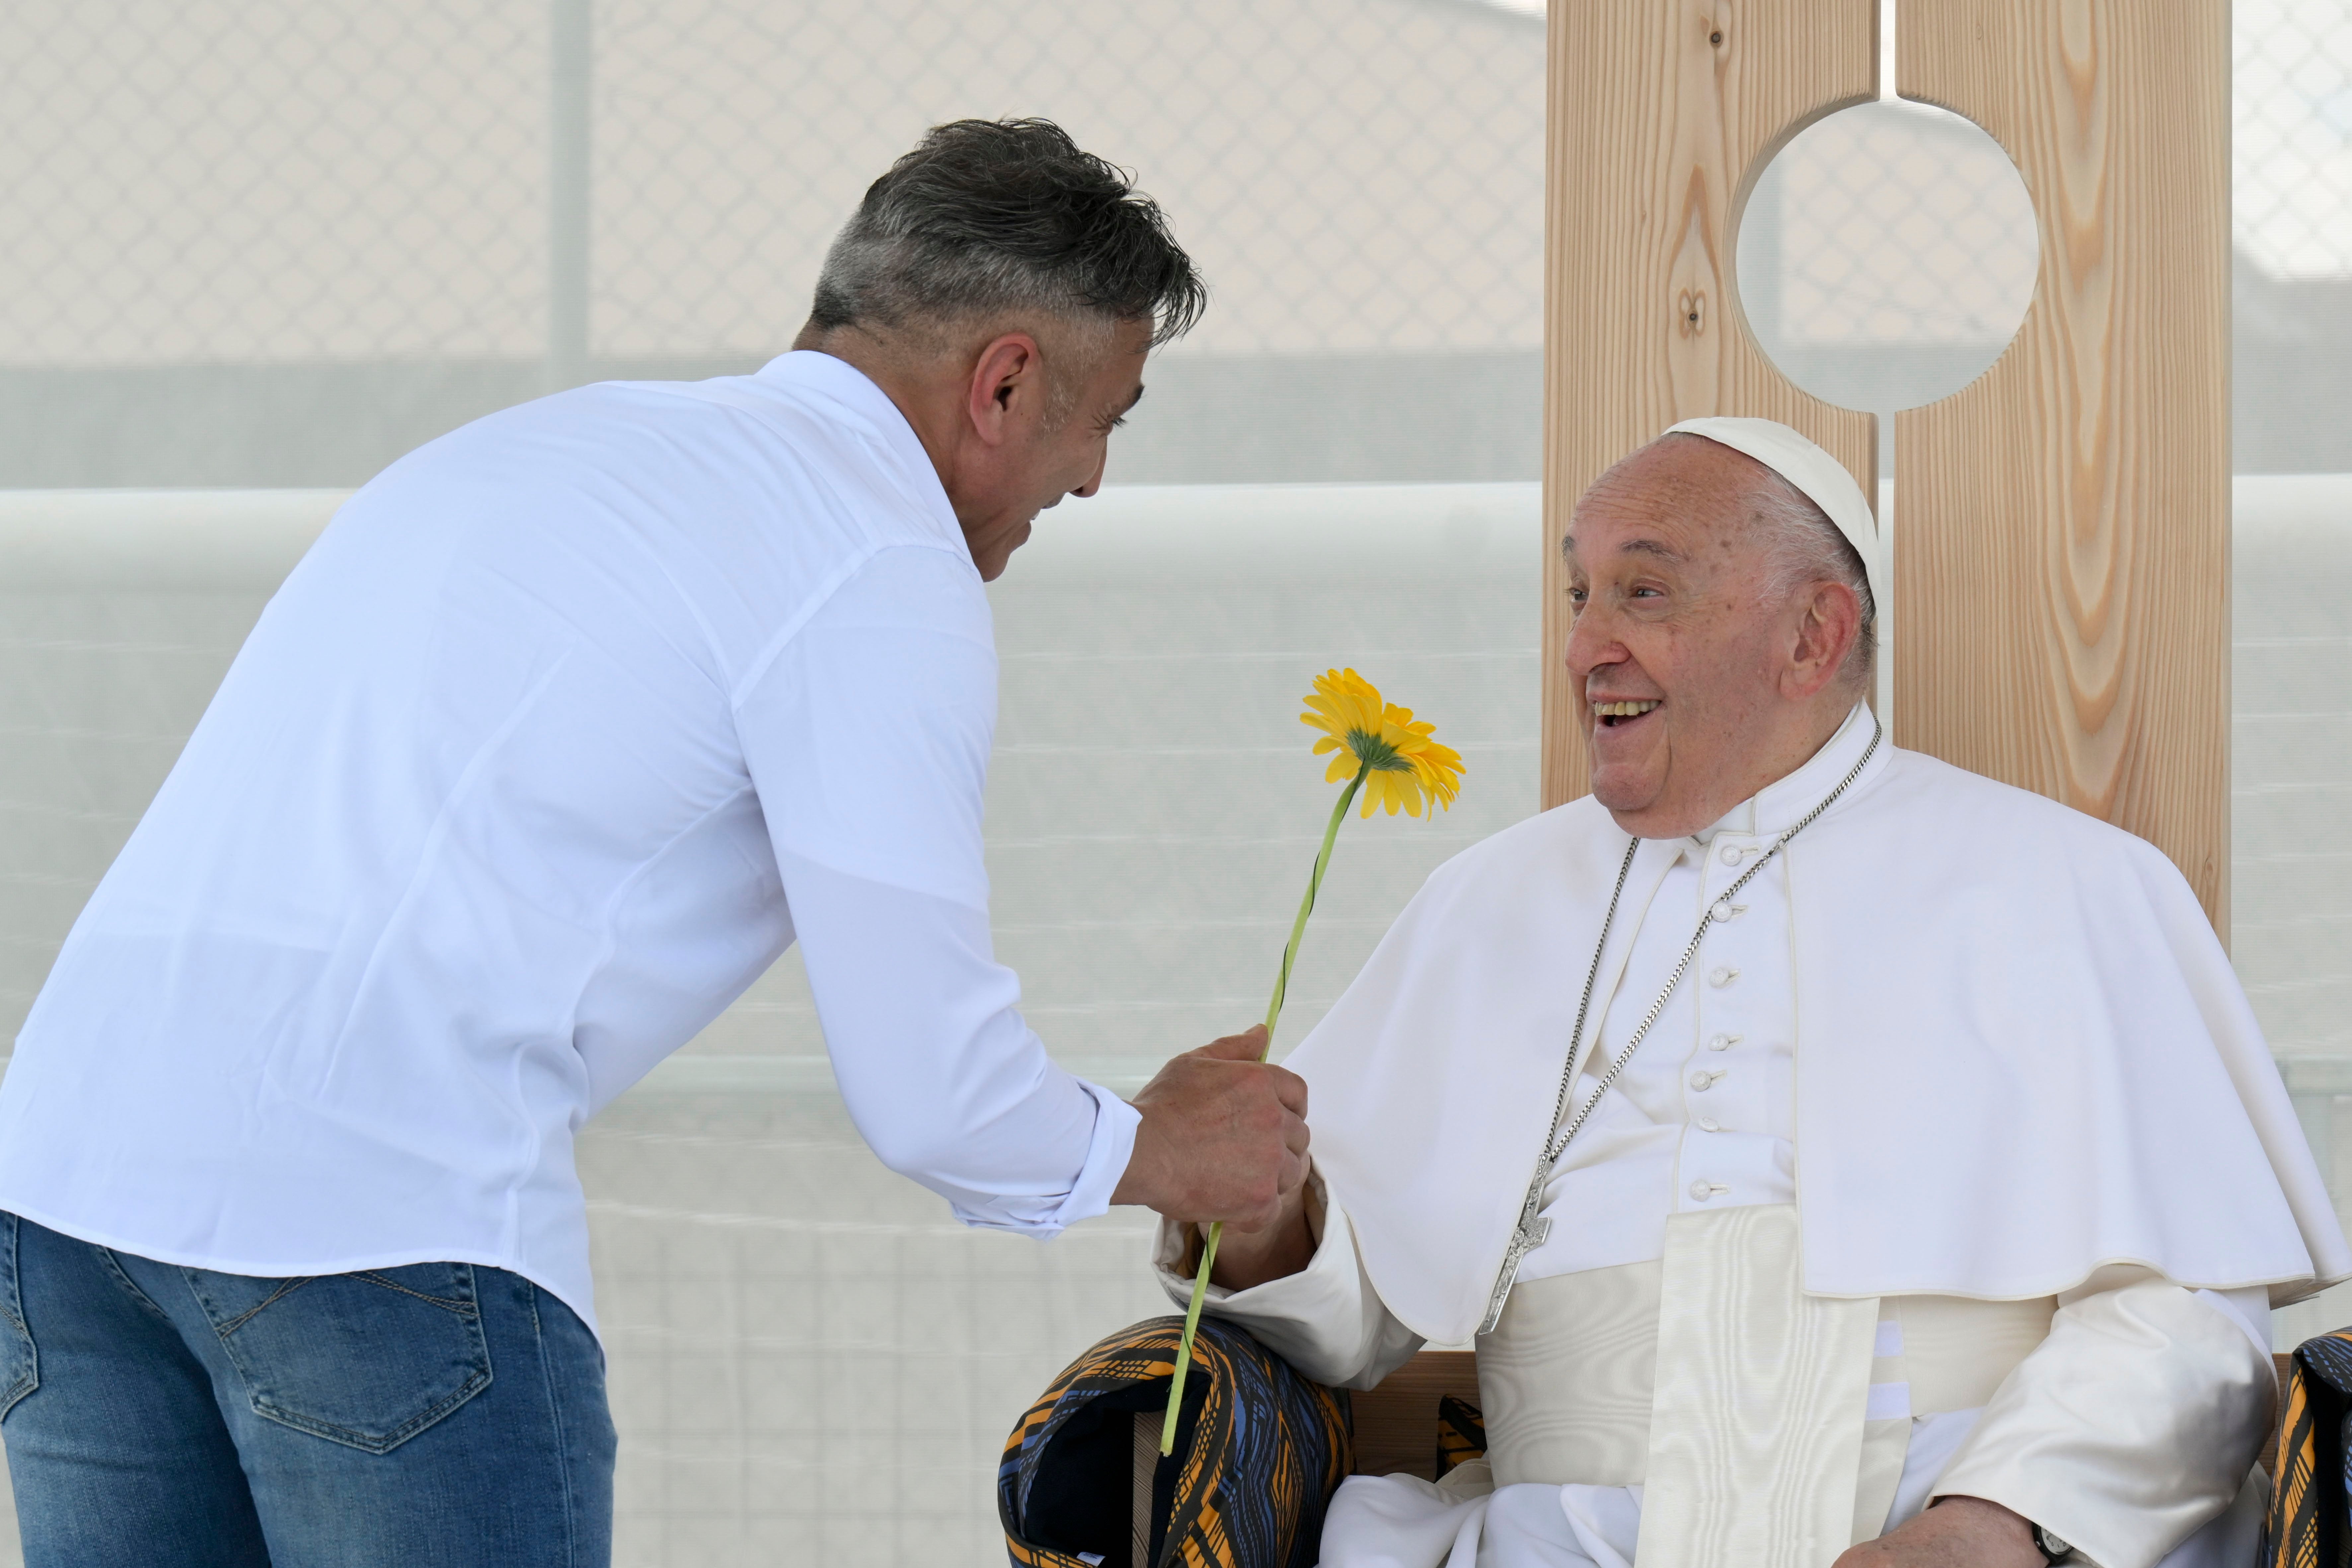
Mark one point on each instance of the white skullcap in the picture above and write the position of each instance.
(1819, 476)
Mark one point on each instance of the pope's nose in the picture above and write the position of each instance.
(1591, 644)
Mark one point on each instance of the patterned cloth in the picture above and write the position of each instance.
(1259, 1451)
(1461, 1434)
(2306, 1527)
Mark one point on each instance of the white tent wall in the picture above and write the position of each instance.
(809, 1362)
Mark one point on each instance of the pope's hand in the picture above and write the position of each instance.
(1957, 1532)
(1223, 1136)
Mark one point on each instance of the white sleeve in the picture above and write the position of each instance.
(2132, 1426)
(868, 738)
(1326, 1320)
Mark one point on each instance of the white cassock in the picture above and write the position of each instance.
(1955, 1165)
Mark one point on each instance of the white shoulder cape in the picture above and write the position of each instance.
(2022, 1053)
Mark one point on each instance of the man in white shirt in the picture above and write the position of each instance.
(1834, 1155)
(569, 724)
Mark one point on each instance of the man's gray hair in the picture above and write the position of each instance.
(990, 216)
(1804, 547)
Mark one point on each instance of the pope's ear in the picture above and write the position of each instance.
(1826, 634)
(1009, 376)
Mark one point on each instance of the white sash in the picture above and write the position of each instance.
(1755, 1424)
(1570, 1390)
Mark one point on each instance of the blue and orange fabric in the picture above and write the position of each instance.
(1259, 1451)
(1461, 1435)
(2312, 1477)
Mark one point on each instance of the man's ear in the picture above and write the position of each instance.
(1008, 382)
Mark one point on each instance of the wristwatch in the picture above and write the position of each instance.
(2051, 1547)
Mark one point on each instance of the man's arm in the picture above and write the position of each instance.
(1963, 1533)
(868, 738)
(2130, 1427)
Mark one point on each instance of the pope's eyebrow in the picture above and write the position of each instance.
(1656, 547)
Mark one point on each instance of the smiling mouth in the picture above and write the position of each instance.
(1613, 714)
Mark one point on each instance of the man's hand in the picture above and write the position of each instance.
(1223, 1136)
(1252, 1256)
(1956, 1533)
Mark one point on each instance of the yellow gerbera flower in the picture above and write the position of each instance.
(1387, 754)
(1402, 767)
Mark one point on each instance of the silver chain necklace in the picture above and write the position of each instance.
(1533, 1227)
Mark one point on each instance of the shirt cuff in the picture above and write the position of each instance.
(1326, 1320)
(1108, 1153)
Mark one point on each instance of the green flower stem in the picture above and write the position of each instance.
(1272, 1012)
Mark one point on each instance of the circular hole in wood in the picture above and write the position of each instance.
(1887, 256)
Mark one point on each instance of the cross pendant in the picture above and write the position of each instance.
(1532, 1230)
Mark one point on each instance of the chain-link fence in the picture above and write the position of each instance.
(1352, 175)
(285, 240)
(281, 241)
(252, 184)
(299, 180)
(2291, 149)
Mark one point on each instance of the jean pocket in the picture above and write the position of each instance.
(369, 1359)
(20, 1366)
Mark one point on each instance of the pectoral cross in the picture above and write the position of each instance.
(1533, 1227)
(1529, 1235)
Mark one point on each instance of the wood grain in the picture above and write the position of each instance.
(1662, 112)
(2062, 524)
(1396, 1424)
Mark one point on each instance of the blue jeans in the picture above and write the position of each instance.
(171, 1417)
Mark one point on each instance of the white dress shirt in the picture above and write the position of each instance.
(569, 724)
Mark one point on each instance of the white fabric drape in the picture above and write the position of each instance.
(1984, 1048)
(2021, 1054)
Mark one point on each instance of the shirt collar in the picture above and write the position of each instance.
(842, 383)
(837, 379)
(1779, 805)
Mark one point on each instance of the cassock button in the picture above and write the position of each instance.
(1709, 1125)
(1704, 1079)
(1702, 1191)
(1721, 977)
(1722, 1042)
(1732, 854)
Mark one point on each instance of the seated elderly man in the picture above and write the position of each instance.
(1837, 1156)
